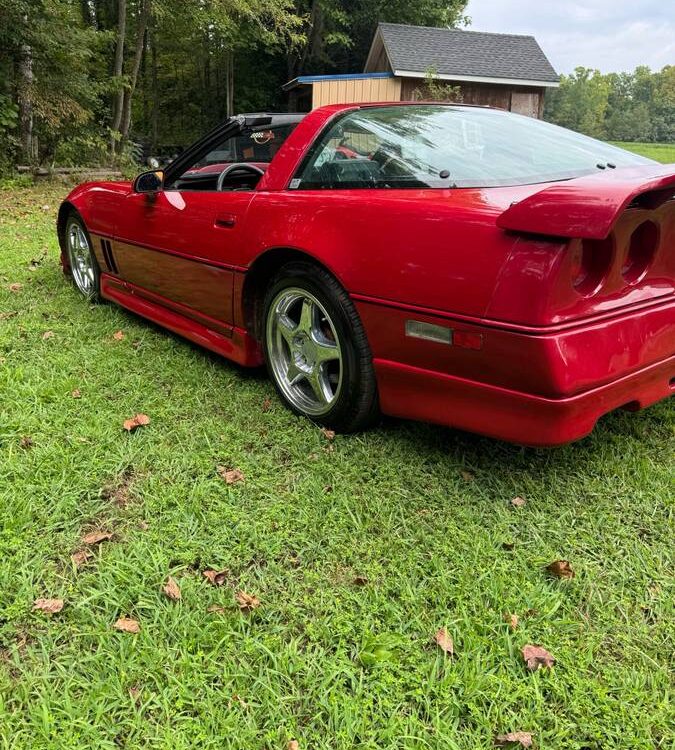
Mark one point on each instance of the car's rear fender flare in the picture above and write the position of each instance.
(249, 300)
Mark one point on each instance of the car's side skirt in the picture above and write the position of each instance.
(229, 341)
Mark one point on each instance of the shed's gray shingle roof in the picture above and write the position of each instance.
(465, 53)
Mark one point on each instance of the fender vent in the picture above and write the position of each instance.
(106, 248)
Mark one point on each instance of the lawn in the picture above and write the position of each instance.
(359, 549)
(663, 152)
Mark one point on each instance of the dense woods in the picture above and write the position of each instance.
(637, 106)
(104, 81)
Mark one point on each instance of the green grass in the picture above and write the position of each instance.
(334, 664)
(663, 152)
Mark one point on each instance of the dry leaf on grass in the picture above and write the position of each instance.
(293, 745)
(118, 335)
(444, 641)
(216, 577)
(561, 569)
(96, 537)
(171, 589)
(467, 476)
(514, 739)
(26, 442)
(135, 693)
(512, 620)
(127, 625)
(246, 602)
(231, 476)
(216, 609)
(81, 558)
(76, 393)
(16, 287)
(48, 606)
(518, 502)
(266, 404)
(361, 580)
(140, 420)
(508, 546)
(47, 335)
(328, 434)
(537, 657)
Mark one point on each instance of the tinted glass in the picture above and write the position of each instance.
(440, 146)
(259, 146)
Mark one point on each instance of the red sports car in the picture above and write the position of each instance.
(456, 264)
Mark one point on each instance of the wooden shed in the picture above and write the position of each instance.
(507, 71)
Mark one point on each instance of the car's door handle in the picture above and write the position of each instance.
(226, 221)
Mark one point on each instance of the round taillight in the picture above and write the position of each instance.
(641, 251)
(591, 263)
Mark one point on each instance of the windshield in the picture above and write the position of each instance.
(440, 146)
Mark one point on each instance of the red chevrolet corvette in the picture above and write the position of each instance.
(456, 264)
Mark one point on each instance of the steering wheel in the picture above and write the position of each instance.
(243, 167)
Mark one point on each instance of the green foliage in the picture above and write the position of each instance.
(434, 90)
(638, 106)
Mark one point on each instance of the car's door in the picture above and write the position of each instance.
(175, 246)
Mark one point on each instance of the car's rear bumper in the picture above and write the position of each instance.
(525, 386)
(413, 393)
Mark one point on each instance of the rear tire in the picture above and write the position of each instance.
(84, 267)
(316, 350)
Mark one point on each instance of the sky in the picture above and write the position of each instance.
(609, 35)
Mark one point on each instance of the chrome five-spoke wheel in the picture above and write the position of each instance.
(304, 351)
(81, 259)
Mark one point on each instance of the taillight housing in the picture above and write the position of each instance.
(591, 263)
(641, 251)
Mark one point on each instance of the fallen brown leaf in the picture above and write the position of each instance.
(246, 602)
(293, 745)
(537, 657)
(76, 393)
(328, 434)
(361, 581)
(16, 287)
(561, 569)
(96, 537)
(231, 476)
(48, 606)
(267, 404)
(127, 625)
(26, 442)
(171, 589)
(47, 335)
(508, 546)
(518, 502)
(514, 739)
(135, 693)
(216, 577)
(143, 525)
(140, 420)
(512, 620)
(444, 641)
(81, 558)
(216, 608)
(467, 476)
(118, 335)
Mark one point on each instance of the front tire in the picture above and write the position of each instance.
(316, 349)
(84, 267)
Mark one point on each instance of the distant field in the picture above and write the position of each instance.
(663, 152)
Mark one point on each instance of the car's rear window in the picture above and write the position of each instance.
(440, 146)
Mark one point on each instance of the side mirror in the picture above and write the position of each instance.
(149, 182)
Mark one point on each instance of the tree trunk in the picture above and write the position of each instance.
(136, 66)
(25, 101)
(155, 92)
(118, 102)
(229, 84)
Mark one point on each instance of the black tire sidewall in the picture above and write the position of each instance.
(321, 285)
(75, 218)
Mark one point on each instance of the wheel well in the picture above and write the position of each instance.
(259, 275)
(65, 209)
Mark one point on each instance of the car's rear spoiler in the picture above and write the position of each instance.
(587, 207)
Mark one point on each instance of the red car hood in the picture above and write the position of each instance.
(588, 206)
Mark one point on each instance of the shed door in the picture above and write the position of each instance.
(525, 103)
